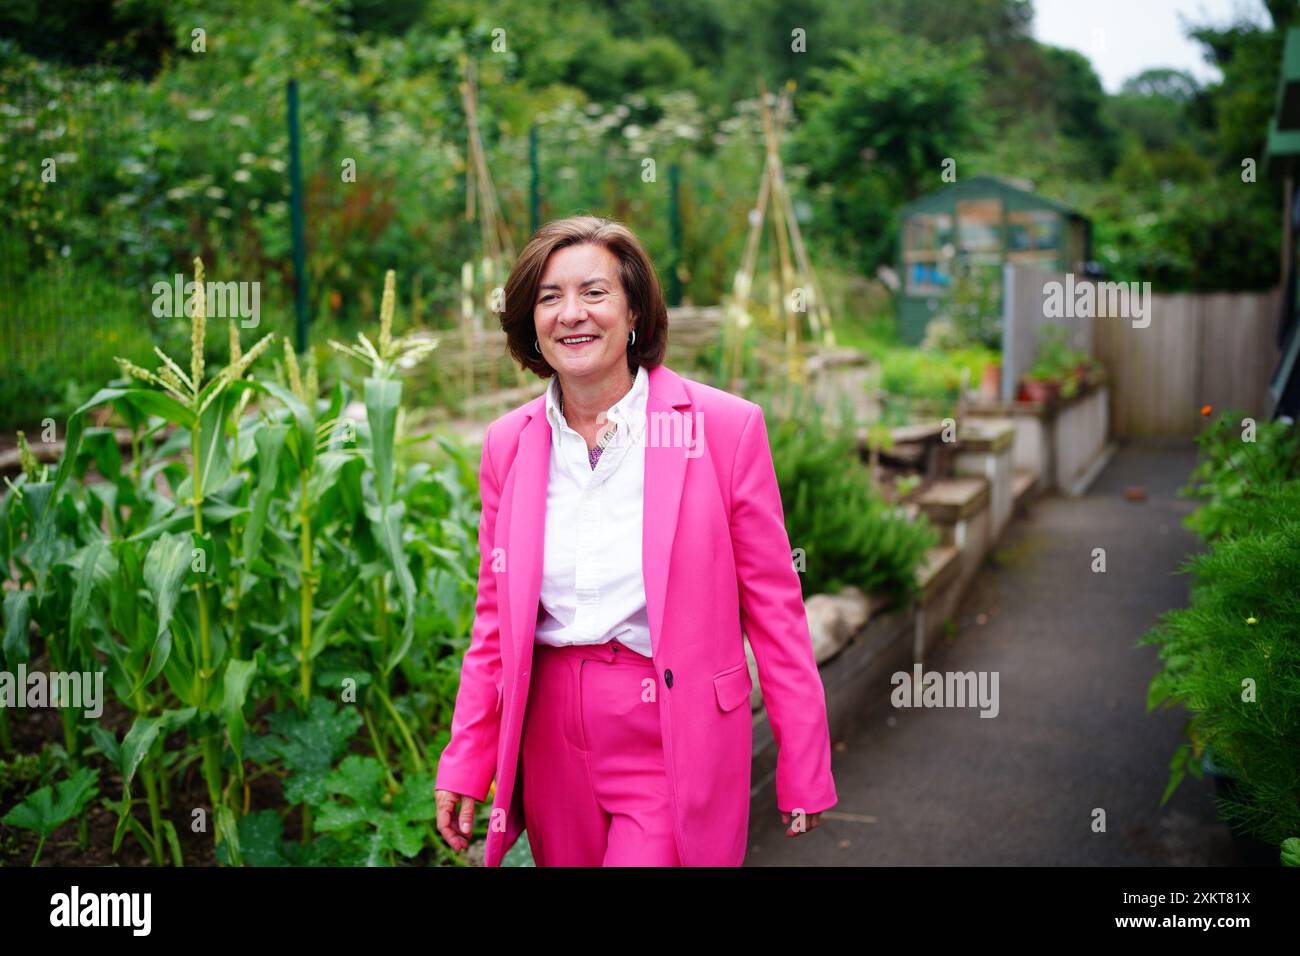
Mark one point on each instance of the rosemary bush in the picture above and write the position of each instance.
(849, 534)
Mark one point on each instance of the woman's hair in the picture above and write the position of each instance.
(636, 273)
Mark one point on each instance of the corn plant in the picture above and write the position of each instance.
(259, 559)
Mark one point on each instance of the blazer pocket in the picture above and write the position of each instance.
(733, 686)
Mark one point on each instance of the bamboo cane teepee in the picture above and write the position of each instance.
(793, 283)
(481, 293)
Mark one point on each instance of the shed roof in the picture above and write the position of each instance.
(982, 185)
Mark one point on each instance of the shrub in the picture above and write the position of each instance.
(1231, 470)
(849, 534)
(1232, 657)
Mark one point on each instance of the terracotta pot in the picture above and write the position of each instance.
(1036, 391)
(991, 382)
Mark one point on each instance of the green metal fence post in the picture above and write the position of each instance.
(675, 234)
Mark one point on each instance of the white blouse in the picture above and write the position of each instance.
(593, 588)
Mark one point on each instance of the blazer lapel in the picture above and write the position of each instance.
(530, 474)
(665, 474)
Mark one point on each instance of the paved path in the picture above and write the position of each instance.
(945, 786)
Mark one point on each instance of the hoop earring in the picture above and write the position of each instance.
(632, 339)
(535, 348)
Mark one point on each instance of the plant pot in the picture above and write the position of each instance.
(1038, 391)
(991, 382)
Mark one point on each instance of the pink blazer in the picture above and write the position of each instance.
(716, 559)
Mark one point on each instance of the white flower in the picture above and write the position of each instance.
(246, 157)
(215, 192)
(242, 176)
(202, 114)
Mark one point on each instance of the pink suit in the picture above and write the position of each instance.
(716, 558)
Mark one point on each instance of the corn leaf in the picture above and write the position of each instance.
(382, 398)
(18, 616)
(165, 567)
(238, 678)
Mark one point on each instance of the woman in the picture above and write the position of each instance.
(623, 547)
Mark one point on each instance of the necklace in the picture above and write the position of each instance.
(593, 453)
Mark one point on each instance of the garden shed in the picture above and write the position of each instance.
(982, 223)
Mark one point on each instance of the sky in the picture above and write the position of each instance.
(1124, 37)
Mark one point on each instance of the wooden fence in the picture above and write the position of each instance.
(1215, 349)
(1186, 352)
(692, 330)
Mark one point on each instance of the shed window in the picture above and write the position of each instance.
(927, 253)
(1033, 237)
(979, 229)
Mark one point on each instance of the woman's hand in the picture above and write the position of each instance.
(810, 822)
(446, 801)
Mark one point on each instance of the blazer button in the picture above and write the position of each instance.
(668, 678)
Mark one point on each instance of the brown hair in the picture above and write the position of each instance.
(636, 273)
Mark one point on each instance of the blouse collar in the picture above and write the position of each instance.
(626, 412)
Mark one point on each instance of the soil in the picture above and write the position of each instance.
(33, 728)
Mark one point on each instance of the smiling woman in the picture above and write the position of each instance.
(605, 681)
(581, 297)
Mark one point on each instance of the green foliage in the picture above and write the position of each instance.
(879, 124)
(388, 821)
(1057, 361)
(259, 546)
(19, 772)
(928, 382)
(1238, 481)
(1192, 235)
(1291, 851)
(49, 808)
(849, 533)
(130, 110)
(974, 307)
(1232, 657)
(132, 35)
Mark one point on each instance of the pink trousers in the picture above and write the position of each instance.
(595, 788)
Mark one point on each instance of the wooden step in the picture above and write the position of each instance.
(939, 568)
(986, 435)
(950, 500)
(1023, 484)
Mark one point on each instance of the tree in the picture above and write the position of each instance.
(878, 126)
